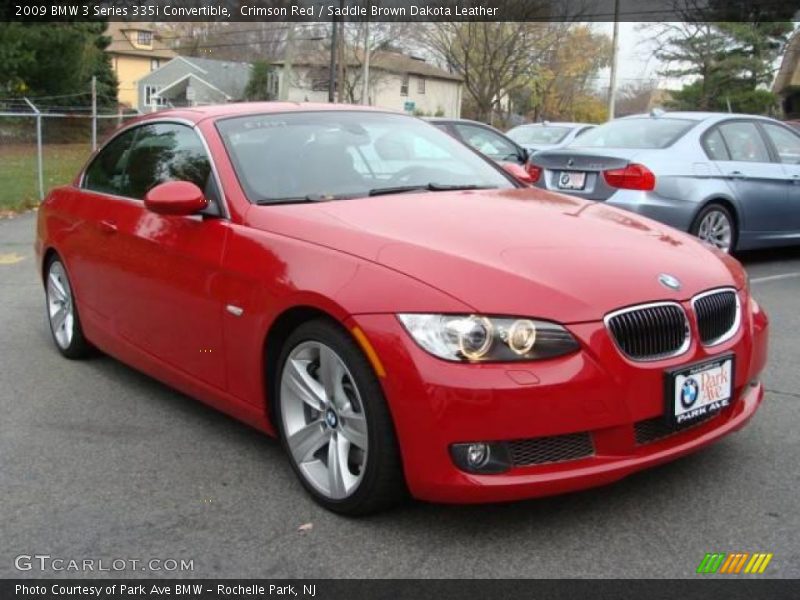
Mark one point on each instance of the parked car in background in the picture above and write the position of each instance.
(547, 136)
(485, 139)
(731, 179)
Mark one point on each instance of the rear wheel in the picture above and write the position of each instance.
(334, 422)
(715, 225)
(62, 312)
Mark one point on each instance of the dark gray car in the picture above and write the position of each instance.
(732, 180)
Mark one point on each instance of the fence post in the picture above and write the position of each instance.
(39, 162)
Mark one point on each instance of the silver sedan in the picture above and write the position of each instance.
(732, 180)
(535, 137)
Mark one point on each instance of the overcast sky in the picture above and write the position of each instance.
(636, 62)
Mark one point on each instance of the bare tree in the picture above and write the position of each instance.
(245, 42)
(495, 59)
(383, 37)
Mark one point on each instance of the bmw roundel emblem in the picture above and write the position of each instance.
(689, 392)
(669, 281)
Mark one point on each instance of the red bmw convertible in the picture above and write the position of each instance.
(397, 309)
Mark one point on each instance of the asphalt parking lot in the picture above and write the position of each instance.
(100, 461)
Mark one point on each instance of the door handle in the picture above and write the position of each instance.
(736, 175)
(108, 226)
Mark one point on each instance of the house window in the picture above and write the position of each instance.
(151, 97)
(320, 84)
(144, 38)
(404, 86)
(154, 64)
(421, 85)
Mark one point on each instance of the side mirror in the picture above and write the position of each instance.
(175, 198)
(519, 173)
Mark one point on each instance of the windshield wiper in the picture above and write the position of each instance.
(298, 200)
(428, 187)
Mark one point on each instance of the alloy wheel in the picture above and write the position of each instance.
(323, 420)
(716, 229)
(60, 305)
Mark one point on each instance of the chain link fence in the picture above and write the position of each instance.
(41, 149)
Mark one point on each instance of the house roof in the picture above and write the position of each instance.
(789, 72)
(228, 77)
(121, 44)
(393, 62)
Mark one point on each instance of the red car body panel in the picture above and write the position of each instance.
(153, 291)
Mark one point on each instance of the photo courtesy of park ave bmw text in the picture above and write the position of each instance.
(412, 298)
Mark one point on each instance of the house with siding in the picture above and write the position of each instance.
(191, 81)
(135, 50)
(396, 81)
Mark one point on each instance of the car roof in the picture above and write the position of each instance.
(455, 120)
(236, 109)
(554, 124)
(693, 116)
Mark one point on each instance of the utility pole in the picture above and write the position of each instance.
(340, 78)
(286, 80)
(332, 66)
(94, 113)
(612, 85)
(365, 74)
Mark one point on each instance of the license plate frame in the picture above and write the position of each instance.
(710, 395)
(571, 180)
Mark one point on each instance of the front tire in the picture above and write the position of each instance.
(62, 312)
(334, 422)
(715, 225)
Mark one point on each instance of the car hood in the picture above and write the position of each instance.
(513, 252)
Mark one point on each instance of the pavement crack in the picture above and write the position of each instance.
(782, 393)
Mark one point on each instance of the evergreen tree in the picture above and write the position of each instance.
(731, 63)
(56, 59)
(258, 87)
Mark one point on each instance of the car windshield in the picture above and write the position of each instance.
(538, 134)
(647, 133)
(311, 156)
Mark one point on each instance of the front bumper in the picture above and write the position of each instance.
(596, 391)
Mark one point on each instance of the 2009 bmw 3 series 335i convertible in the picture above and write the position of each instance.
(402, 313)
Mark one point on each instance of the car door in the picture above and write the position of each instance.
(165, 297)
(757, 182)
(93, 262)
(786, 146)
(490, 143)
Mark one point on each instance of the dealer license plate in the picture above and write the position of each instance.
(699, 390)
(571, 180)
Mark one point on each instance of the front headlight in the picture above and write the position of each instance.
(476, 338)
